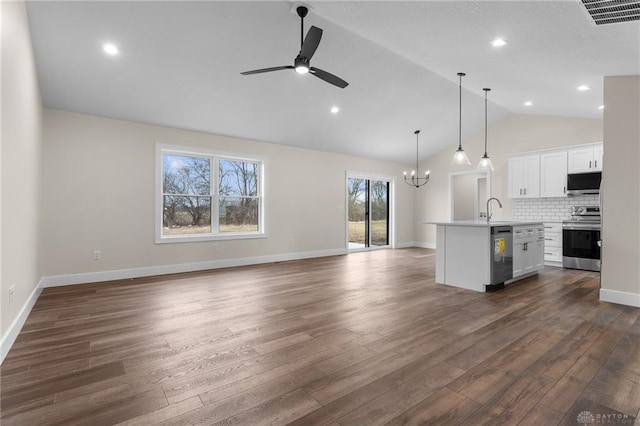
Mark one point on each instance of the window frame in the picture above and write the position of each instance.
(214, 157)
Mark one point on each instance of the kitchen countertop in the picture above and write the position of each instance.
(483, 223)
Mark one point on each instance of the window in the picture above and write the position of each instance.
(206, 195)
(239, 201)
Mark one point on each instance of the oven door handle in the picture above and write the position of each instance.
(582, 227)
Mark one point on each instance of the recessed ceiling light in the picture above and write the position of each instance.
(335, 110)
(601, 107)
(583, 88)
(528, 103)
(110, 49)
(499, 42)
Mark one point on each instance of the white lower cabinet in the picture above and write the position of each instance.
(553, 243)
(528, 249)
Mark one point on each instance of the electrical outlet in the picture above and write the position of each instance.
(12, 293)
(96, 255)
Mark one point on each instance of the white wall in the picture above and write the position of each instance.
(21, 166)
(99, 195)
(516, 133)
(464, 197)
(621, 196)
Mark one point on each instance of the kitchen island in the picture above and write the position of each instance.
(480, 255)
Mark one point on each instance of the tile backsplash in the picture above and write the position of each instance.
(550, 209)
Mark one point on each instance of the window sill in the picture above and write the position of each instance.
(220, 237)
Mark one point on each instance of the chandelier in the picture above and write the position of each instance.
(416, 180)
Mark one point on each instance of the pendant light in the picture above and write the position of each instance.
(460, 157)
(416, 180)
(485, 161)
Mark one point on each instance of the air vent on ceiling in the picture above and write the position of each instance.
(612, 11)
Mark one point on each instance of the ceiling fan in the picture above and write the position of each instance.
(308, 46)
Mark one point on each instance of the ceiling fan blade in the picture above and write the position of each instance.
(328, 77)
(311, 42)
(284, 67)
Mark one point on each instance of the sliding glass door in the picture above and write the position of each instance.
(379, 213)
(368, 212)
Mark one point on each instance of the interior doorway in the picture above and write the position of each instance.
(468, 194)
(368, 212)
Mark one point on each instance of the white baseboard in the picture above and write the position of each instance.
(405, 245)
(12, 333)
(425, 245)
(120, 274)
(620, 297)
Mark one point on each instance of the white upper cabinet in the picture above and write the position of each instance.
(585, 159)
(553, 174)
(597, 157)
(544, 173)
(524, 176)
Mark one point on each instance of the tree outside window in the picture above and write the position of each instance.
(187, 195)
(238, 190)
(205, 196)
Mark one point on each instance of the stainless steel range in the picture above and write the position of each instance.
(580, 236)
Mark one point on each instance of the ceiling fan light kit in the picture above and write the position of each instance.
(301, 63)
(301, 66)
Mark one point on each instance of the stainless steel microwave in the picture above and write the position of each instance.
(583, 183)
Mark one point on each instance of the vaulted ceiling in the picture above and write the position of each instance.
(180, 62)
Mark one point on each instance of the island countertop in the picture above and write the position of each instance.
(483, 223)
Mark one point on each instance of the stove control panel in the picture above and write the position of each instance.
(585, 211)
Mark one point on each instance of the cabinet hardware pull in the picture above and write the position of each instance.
(547, 253)
(596, 164)
(548, 239)
(589, 163)
(564, 189)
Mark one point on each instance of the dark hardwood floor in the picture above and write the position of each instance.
(362, 339)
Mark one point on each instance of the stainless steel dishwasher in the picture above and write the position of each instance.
(501, 256)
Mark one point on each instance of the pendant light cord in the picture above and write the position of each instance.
(485, 120)
(417, 132)
(460, 74)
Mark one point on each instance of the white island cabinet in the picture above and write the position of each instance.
(467, 252)
(528, 249)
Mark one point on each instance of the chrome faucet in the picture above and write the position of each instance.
(489, 202)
